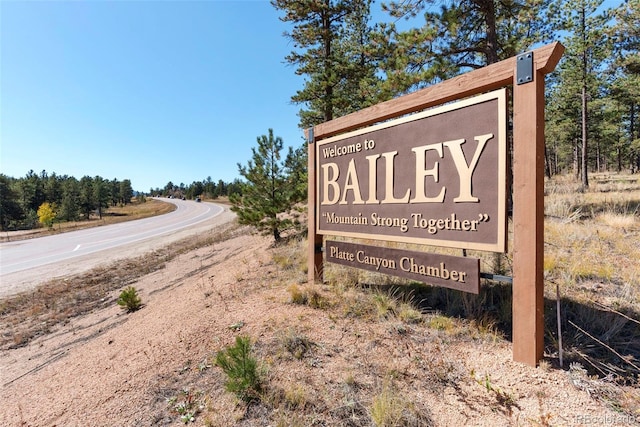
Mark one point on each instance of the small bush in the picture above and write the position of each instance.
(308, 296)
(129, 300)
(298, 296)
(386, 305)
(241, 368)
(297, 345)
(295, 397)
(409, 314)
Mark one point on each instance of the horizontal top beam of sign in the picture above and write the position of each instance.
(481, 80)
(436, 178)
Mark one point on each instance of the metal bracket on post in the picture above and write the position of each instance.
(310, 137)
(524, 68)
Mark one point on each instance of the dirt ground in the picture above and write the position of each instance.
(110, 368)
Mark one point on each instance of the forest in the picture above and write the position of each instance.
(206, 188)
(25, 201)
(61, 196)
(351, 62)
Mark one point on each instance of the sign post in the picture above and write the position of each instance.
(528, 213)
(526, 73)
(314, 253)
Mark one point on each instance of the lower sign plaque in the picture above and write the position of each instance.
(459, 273)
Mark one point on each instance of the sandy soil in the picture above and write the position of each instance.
(110, 368)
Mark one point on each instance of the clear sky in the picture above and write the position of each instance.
(147, 90)
(151, 91)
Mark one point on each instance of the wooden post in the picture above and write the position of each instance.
(528, 219)
(314, 255)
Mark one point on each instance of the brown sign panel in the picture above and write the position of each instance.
(437, 178)
(447, 271)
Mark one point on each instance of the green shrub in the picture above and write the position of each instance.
(243, 373)
(129, 300)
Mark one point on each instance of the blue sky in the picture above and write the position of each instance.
(147, 90)
(152, 91)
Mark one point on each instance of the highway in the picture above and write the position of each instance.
(27, 263)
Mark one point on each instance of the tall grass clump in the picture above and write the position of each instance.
(592, 260)
(390, 408)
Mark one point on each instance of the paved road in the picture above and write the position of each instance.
(27, 263)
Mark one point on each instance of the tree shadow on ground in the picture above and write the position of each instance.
(605, 341)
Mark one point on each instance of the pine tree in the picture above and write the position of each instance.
(11, 212)
(580, 75)
(625, 71)
(87, 200)
(270, 191)
(70, 206)
(455, 37)
(330, 37)
(101, 194)
(126, 191)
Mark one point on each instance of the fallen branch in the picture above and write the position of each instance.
(604, 345)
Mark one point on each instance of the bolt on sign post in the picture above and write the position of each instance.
(438, 177)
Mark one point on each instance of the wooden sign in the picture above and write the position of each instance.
(359, 178)
(437, 178)
(447, 271)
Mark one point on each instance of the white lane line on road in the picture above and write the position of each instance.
(90, 248)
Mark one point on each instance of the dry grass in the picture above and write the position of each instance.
(365, 349)
(30, 314)
(592, 248)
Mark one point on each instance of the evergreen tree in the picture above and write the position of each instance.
(101, 194)
(330, 37)
(32, 192)
(169, 189)
(126, 191)
(221, 189)
(11, 212)
(53, 188)
(455, 37)
(70, 207)
(268, 194)
(580, 75)
(87, 200)
(209, 187)
(114, 192)
(296, 165)
(625, 71)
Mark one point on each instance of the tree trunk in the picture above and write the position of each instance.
(585, 157)
(547, 166)
(632, 120)
(576, 161)
(489, 9)
(327, 40)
